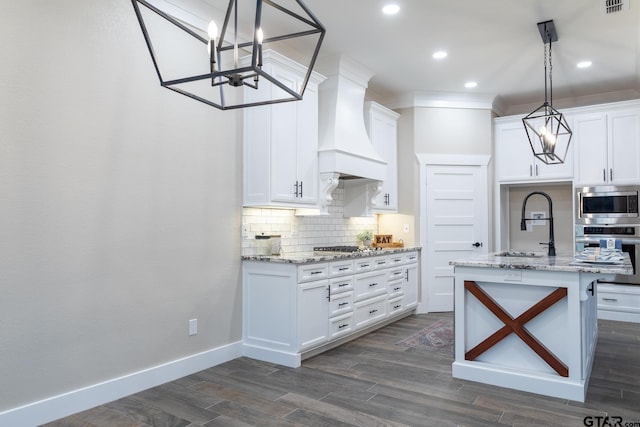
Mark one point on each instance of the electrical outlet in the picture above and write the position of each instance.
(193, 327)
(405, 228)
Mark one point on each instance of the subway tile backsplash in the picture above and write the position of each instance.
(302, 233)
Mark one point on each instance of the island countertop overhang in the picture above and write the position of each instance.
(561, 262)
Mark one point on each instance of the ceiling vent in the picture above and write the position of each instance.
(614, 6)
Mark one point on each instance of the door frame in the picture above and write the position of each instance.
(424, 160)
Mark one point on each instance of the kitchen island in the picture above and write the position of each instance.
(528, 321)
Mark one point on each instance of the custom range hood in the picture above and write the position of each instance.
(344, 148)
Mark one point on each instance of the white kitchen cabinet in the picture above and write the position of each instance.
(410, 287)
(619, 302)
(515, 159)
(313, 308)
(607, 147)
(290, 309)
(382, 127)
(281, 142)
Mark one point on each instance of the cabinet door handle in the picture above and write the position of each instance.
(343, 268)
(371, 285)
(610, 299)
(300, 189)
(610, 174)
(537, 170)
(295, 192)
(343, 285)
(396, 289)
(344, 325)
(328, 293)
(406, 275)
(604, 175)
(364, 265)
(316, 272)
(342, 304)
(373, 311)
(530, 170)
(395, 307)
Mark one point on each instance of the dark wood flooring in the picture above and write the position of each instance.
(374, 382)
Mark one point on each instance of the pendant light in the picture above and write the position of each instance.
(192, 58)
(547, 129)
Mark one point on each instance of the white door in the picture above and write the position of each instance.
(456, 226)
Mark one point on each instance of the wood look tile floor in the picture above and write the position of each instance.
(372, 381)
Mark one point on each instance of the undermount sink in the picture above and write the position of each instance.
(520, 254)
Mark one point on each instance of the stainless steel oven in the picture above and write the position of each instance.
(629, 236)
(607, 204)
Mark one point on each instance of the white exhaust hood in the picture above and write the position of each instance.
(344, 147)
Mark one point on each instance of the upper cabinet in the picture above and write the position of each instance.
(607, 146)
(382, 127)
(515, 160)
(281, 142)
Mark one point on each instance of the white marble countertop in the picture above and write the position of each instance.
(311, 257)
(540, 261)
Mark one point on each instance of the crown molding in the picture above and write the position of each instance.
(434, 99)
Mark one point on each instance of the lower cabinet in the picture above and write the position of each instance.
(290, 309)
(312, 301)
(619, 302)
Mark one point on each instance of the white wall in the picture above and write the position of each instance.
(114, 226)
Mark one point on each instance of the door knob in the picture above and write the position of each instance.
(476, 244)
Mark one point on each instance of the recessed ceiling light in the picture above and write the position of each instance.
(584, 64)
(470, 85)
(391, 9)
(439, 54)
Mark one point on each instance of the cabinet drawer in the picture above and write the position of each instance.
(370, 311)
(341, 268)
(310, 272)
(379, 262)
(362, 265)
(410, 257)
(395, 288)
(368, 285)
(341, 303)
(341, 325)
(396, 274)
(341, 284)
(397, 259)
(395, 305)
(619, 301)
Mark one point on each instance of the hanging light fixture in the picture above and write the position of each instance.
(547, 129)
(193, 59)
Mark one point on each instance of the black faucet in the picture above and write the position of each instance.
(523, 220)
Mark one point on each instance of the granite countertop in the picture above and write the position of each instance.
(311, 257)
(542, 262)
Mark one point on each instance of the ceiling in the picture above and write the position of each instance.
(495, 43)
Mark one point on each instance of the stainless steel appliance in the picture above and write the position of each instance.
(607, 204)
(629, 235)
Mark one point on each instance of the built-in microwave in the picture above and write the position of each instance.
(607, 204)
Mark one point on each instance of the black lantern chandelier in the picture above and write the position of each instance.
(547, 129)
(193, 59)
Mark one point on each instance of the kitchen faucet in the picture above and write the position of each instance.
(523, 220)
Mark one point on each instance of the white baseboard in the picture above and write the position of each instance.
(65, 404)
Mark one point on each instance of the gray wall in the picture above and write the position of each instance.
(120, 204)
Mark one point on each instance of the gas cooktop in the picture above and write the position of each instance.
(343, 249)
